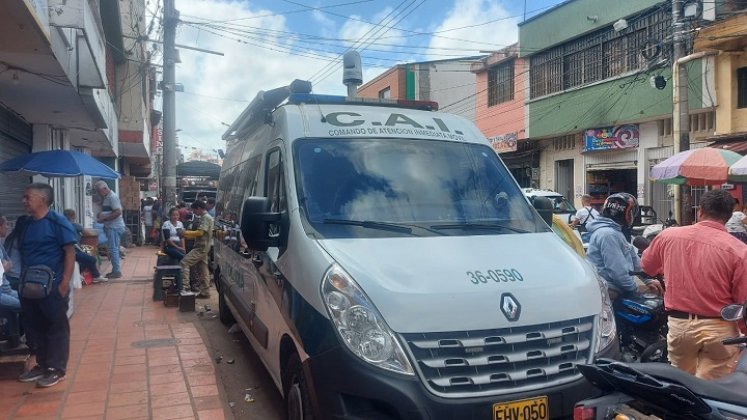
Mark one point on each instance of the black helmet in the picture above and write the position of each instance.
(622, 208)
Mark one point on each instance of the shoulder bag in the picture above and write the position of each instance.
(36, 282)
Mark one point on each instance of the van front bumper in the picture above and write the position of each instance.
(345, 387)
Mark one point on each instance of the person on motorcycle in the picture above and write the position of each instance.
(611, 253)
(706, 269)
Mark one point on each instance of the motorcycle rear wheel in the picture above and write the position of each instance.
(656, 352)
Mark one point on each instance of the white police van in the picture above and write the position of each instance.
(384, 264)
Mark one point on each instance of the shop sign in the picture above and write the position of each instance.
(505, 143)
(609, 138)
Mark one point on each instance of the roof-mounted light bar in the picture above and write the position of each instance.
(262, 105)
(308, 98)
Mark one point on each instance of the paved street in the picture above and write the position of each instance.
(131, 358)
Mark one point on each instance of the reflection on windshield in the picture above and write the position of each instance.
(421, 182)
(561, 205)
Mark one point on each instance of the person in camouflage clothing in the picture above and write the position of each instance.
(198, 256)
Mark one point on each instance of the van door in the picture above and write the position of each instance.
(270, 280)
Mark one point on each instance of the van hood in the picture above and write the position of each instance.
(428, 284)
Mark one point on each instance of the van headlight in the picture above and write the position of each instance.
(606, 329)
(360, 325)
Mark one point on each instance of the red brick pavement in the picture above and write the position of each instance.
(130, 358)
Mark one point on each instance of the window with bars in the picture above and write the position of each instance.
(600, 55)
(703, 123)
(567, 142)
(501, 83)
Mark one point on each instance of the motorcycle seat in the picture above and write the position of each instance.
(728, 389)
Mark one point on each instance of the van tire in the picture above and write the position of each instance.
(297, 401)
(224, 314)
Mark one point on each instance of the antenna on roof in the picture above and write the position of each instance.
(352, 72)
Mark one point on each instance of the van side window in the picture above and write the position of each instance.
(275, 182)
(238, 183)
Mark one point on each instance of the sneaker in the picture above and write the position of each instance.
(37, 372)
(114, 275)
(51, 378)
(100, 279)
(203, 296)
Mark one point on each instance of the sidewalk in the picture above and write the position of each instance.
(130, 358)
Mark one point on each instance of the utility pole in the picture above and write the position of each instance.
(170, 20)
(680, 111)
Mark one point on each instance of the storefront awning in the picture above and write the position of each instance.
(736, 142)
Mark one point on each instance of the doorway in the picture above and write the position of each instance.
(564, 178)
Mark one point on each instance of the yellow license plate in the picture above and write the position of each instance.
(529, 409)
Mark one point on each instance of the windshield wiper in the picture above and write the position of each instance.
(479, 226)
(369, 224)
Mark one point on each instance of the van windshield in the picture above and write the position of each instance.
(405, 187)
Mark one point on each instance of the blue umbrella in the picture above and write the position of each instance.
(58, 163)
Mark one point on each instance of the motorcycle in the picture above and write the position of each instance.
(650, 231)
(660, 391)
(642, 327)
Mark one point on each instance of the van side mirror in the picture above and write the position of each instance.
(544, 207)
(259, 225)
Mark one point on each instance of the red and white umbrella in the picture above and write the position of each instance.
(705, 166)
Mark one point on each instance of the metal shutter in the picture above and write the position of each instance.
(15, 140)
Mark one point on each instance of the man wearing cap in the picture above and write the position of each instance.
(198, 256)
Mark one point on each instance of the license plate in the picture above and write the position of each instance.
(529, 409)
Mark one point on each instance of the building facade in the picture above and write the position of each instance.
(500, 112)
(728, 40)
(596, 102)
(58, 90)
(448, 82)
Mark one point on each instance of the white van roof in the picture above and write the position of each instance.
(351, 120)
(303, 114)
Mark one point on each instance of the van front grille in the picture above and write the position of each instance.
(491, 362)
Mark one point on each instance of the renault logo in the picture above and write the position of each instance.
(510, 307)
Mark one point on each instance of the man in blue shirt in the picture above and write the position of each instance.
(47, 238)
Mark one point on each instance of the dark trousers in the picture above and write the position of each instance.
(45, 321)
(87, 262)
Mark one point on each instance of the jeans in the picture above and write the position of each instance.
(113, 236)
(173, 252)
(87, 262)
(9, 299)
(10, 308)
(45, 321)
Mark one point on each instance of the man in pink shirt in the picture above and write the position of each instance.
(705, 269)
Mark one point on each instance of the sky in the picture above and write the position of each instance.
(269, 43)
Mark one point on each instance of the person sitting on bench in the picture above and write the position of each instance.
(86, 262)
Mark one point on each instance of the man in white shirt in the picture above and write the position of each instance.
(585, 214)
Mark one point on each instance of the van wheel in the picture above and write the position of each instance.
(225, 315)
(297, 402)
